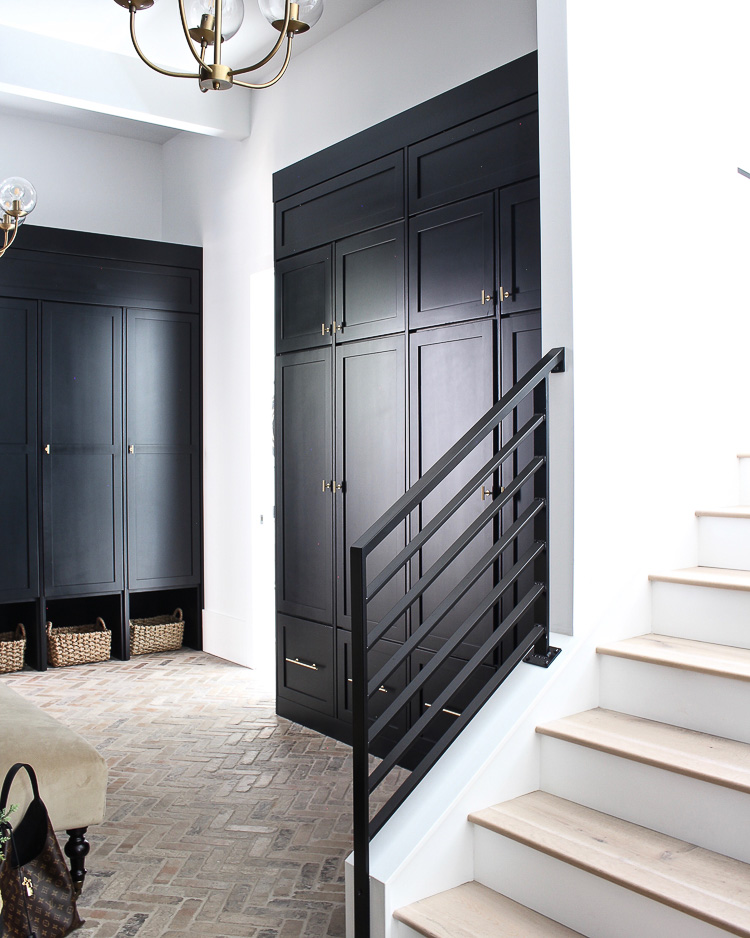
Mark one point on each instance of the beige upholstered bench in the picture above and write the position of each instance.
(72, 775)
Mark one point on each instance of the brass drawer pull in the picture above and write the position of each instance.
(451, 713)
(303, 664)
(383, 689)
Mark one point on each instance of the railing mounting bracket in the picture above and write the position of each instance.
(543, 661)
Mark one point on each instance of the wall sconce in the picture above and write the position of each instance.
(17, 199)
(205, 19)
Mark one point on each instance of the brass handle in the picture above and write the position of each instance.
(487, 297)
(451, 713)
(486, 492)
(504, 294)
(326, 486)
(382, 689)
(339, 486)
(303, 664)
(46, 449)
(131, 449)
(325, 330)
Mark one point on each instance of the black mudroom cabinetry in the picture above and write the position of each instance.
(408, 298)
(100, 504)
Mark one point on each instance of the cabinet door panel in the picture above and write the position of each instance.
(304, 310)
(162, 463)
(451, 261)
(83, 533)
(82, 425)
(520, 248)
(370, 461)
(370, 283)
(19, 563)
(305, 663)
(304, 506)
(452, 380)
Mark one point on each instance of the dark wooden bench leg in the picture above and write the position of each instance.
(76, 850)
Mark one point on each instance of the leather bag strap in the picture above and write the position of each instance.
(12, 772)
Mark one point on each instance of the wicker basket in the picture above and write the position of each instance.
(12, 648)
(78, 644)
(159, 633)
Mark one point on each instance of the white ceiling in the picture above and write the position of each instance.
(104, 25)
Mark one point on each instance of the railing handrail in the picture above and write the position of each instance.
(553, 361)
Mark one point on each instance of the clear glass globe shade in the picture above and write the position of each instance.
(17, 189)
(232, 15)
(310, 11)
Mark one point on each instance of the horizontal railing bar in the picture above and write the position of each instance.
(456, 728)
(449, 555)
(552, 361)
(453, 505)
(451, 643)
(488, 646)
(458, 591)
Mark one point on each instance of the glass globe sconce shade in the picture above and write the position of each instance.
(306, 16)
(17, 196)
(201, 15)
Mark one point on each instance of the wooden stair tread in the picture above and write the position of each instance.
(475, 911)
(699, 882)
(688, 654)
(716, 577)
(733, 511)
(712, 759)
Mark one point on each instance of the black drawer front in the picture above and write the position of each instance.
(364, 198)
(492, 151)
(305, 663)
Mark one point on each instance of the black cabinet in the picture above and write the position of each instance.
(100, 505)
(163, 454)
(19, 564)
(408, 294)
(81, 420)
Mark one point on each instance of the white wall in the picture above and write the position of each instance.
(385, 61)
(85, 180)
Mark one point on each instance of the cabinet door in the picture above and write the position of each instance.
(370, 284)
(82, 469)
(162, 462)
(452, 382)
(304, 476)
(19, 565)
(304, 310)
(520, 248)
(452, 263)
(370, 463)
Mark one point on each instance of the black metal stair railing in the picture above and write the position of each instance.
(517, 600)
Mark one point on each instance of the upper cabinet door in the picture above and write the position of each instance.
(304, 308)
(82, 440)
(162, 461)
(452, 263)
(520, 248)
(304, 485)
(19, 565)
(370, 284)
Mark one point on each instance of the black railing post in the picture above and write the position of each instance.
(360, 754)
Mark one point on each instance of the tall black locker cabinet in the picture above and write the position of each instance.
(408, 297)
(100, 506)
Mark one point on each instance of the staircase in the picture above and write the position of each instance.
(642, 823)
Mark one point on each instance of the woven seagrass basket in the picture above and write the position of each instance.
(78, 644)
(157, 633)
(12, 648)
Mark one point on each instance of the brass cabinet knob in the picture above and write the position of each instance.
(486, 492)
(131, 449)
(46, 449)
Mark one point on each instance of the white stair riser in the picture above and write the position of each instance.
(701, 613)
(744, 481)
(702, 702)
(400, 930)
(666, 800)
(578, 899)
(724, 542)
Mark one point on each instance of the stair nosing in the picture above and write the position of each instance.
(641, 879)
(567, 730)
(660, 656)
(733, 511)
(708, 577)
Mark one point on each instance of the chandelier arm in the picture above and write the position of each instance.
(8, 240)
(142, 57)
(271, 54)
(267, 84)
(186, 30)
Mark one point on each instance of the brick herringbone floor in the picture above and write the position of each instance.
(223, 820)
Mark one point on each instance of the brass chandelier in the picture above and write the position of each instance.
(17, 199)
(204, 20)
